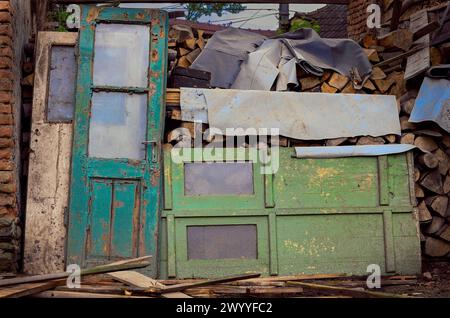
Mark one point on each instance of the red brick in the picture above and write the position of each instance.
(4, 6)
(5, 62)
(6, 176)
(6, 74)
(6, 119)
(6, 51)
(6, 84)
(6, 131)
(6, 143)
(5, 40)
(5, 29)
(6, 97)
(7, 188)
(7, 199)
(5, 108)
(6, 153)
(5, 211)
(5, 17)
(6, 165)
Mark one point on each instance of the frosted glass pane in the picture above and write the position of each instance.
(118, 125)
(121, 55)
(61, 89)
(222, 242)
(218, 178)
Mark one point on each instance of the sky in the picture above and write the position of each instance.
(256, 16)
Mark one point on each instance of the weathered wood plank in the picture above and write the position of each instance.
(180, 287)
(116, 266)
(23, 290)
(49, 169)
(351, 291)
(136, 279)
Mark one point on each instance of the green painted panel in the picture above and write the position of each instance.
(125, 222)
(211, 202)
(324, 183)
(398, 180)
(407, 243)
(162, 249)
(326, 216)
(330, 243)
(219, 267)
(100, 219)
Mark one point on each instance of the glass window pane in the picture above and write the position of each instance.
(222, 241)
(121, 56)
(218, 178)
(118, 125)
(61, 90)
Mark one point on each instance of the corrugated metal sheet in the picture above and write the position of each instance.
(433, 103)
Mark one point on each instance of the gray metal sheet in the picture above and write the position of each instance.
(308, 116)
(275, 61)
(351, 151)
(433, 103)
(193, 105)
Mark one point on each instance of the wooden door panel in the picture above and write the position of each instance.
(114, 219)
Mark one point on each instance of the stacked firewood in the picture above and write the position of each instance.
(185, 45)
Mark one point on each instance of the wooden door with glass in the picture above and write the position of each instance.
(115, 179)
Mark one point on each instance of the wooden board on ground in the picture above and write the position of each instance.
(136, 279)
(28, 289)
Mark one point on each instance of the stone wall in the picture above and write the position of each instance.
(15, 31)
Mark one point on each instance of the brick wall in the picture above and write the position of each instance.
(357, 15)
(357, 18)
(15, 30)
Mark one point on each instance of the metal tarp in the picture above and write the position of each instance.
(275, 61)
(433, 103)
(224, 53)
(351, 151)
(308, 116)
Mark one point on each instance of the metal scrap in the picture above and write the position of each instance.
(306, 116)
(433, 103)
(351, 151)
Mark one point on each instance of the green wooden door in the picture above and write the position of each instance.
(115, 185)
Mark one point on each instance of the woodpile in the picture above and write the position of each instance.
(187, 43)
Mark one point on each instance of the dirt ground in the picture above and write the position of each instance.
(433, 283)
(438, 286)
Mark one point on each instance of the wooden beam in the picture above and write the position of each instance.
(195, 284)
(23, 290)
(136, 279)
(204, 1)
(396, 14)
(113, 267)
(351, 291)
